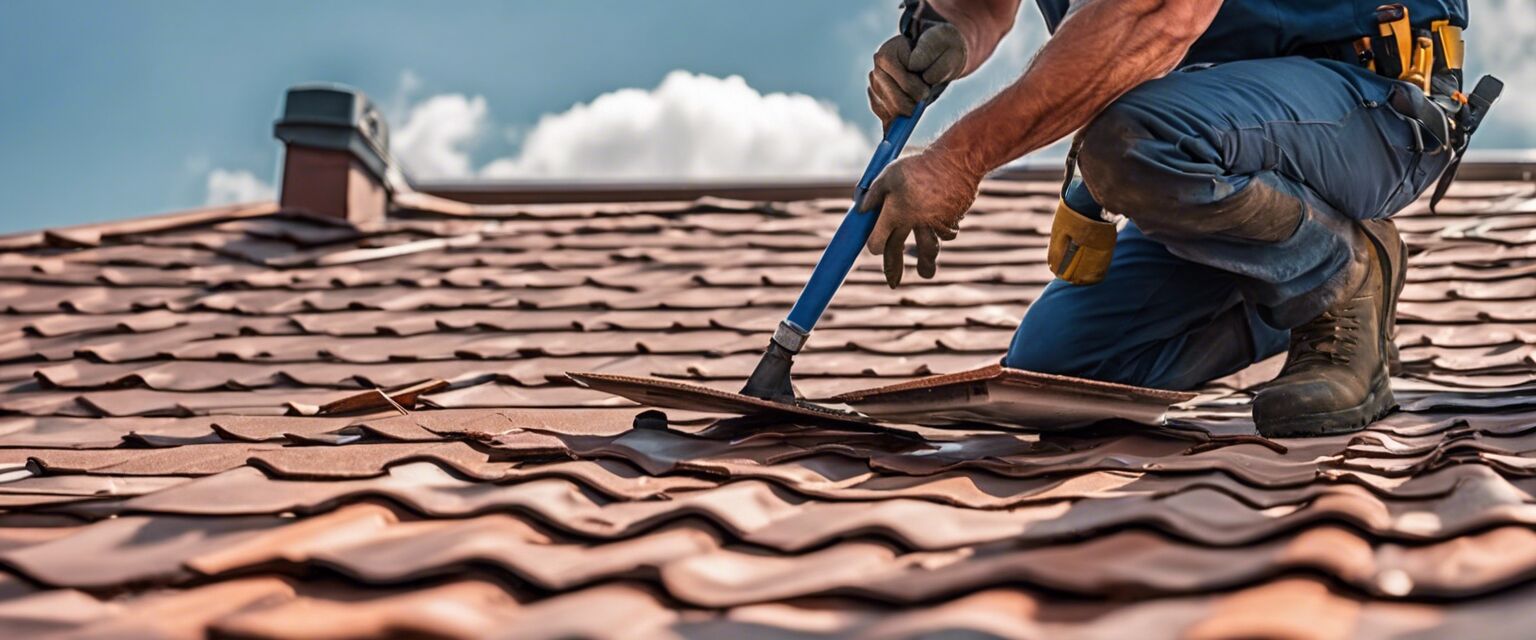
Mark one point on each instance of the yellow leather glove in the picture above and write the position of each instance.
(1081, 247)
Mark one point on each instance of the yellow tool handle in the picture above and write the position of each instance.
(1423, 67)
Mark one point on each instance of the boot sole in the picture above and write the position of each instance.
(1377, 404)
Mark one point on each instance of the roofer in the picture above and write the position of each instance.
(1257, 150)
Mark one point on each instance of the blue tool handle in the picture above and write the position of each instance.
(838, 258)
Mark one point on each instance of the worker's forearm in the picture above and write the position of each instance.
(1103, 49)
(982, 23)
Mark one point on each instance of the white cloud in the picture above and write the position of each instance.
(233, 187)
(690, 126)
(438, 134)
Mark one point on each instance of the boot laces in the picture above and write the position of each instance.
(1330, 338)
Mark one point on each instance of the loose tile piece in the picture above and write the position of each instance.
(998, 395)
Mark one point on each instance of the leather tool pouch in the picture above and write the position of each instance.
(1462, 125)
(1430, 59)
(1081, 246)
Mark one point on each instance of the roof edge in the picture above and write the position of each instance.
(1489, 165)
(1514, 165)
(91, 233)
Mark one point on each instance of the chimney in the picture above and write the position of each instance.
(336, 154)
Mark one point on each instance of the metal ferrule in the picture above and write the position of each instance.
(790, 337)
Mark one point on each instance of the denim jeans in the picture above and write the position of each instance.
(1242, 182)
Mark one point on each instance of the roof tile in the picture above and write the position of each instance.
(166, 378)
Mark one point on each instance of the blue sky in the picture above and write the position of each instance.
(115, 109)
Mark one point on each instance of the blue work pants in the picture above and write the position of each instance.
(1241, 182)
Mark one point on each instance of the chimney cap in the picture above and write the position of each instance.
(336, 117)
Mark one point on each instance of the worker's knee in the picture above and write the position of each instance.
(1163, 173)
(1115, 160)
(1046, 356)
(1052, 339)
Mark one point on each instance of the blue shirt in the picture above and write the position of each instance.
(1249, 29)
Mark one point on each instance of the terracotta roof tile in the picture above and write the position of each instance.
(467, 609)
(169, 389)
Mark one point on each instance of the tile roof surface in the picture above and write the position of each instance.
(253, 423)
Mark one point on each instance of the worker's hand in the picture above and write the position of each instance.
(924, 195)
(904, 74)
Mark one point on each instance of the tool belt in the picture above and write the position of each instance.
(1428, 58)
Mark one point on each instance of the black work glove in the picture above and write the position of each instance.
(904, 74)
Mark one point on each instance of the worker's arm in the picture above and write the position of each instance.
(904, 74)
(982, 23)
(1103, 49)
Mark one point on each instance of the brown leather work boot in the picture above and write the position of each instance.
(1336, 377)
